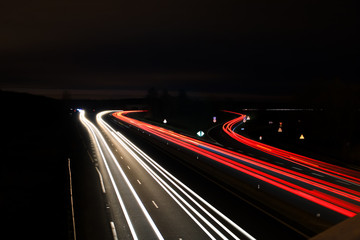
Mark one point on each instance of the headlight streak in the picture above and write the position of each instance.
(141, 205)
(128, 144)
(89, 126)
(203, 148)
(146, 213)
(171, 193)
(177, 182)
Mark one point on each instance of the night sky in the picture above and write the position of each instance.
(119, 49)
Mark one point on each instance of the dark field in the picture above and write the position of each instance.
(33, 174)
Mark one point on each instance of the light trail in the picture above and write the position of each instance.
(92, 129)
(340, 199)
(166, 181)
(344, 173)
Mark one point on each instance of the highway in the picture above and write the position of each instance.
(343, 175)
(324, 196)
(341, 186)
(144, 200)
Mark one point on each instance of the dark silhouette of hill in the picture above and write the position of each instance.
(33, 176)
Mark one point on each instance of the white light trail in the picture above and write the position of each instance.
(89, 126)
(91, 129)
(130, 147)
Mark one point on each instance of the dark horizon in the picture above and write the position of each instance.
(101, 50)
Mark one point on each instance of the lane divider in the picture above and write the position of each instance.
(130, 147)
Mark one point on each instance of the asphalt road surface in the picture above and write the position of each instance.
(151, 194)
(324, 199)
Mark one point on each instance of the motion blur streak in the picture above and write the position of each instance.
(267, 172)
(90, 128)
(344, 173)
(140, 204)
(181, 201)
(147, 215)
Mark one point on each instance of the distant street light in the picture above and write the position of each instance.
(214, 119)
(248, 117)
(301, 137)
(280, 130)
(260, 138)
(165, 121)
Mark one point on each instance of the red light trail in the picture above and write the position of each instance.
(344, 173)
(330, 195)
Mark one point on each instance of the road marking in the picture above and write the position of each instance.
(339, 181)
(131, 148)
(135, 195)
(250, 154)
(138, 181)
(101, 180)
(128, 167)
(155, 204)
(177, 198)
(280, 163)
(112, 225)
(297, 168)
(90, 127)
(316, 174)
(121, 157)
(72, 200)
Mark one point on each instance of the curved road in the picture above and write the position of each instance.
(322, 196)
(147, 202)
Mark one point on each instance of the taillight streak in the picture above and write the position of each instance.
(195, 145)
(228, 128)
